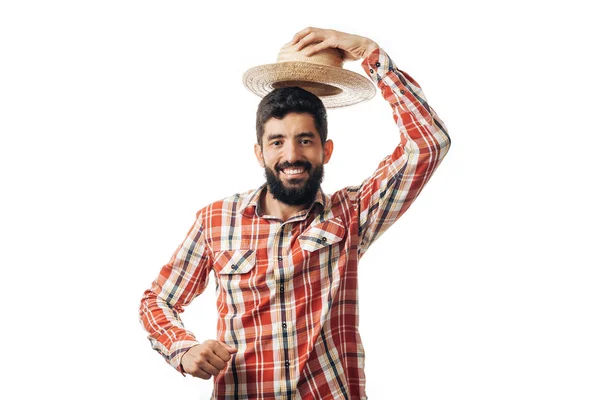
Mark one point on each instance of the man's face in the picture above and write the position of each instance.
(293, 157)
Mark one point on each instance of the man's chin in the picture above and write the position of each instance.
(294, 183)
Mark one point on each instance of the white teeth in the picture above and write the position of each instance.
(293, 171)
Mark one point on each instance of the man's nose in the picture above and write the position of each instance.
(291, 152)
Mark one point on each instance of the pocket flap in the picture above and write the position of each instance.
(322, 235)
(235, 261)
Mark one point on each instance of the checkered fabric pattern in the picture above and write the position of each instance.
(287, 292)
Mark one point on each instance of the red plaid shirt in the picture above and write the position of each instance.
(287, 292)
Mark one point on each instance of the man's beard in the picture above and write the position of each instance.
(296, 195)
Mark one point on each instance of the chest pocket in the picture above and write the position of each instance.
(230, 262)
(322, 235)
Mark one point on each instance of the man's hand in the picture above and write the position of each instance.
(207, 359)
(353, 47)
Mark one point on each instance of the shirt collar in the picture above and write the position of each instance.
(250, 206)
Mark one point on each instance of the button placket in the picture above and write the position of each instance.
(284, 273)
(280, 268)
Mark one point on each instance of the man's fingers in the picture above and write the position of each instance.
(301, 34)
(353, 47)
(201, 374)
(231, 350)
(317, 48)
(208, 367)
(306, 40)
(207, 364)
(223, 351)
(195, 369)
(216, 361)
(207, 359)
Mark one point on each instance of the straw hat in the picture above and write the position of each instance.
(321, 74)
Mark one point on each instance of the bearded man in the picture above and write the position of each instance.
(285, 256)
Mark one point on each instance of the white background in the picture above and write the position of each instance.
(120, 119)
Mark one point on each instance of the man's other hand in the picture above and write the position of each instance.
(207, 359)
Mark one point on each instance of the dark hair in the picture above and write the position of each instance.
(282, 101)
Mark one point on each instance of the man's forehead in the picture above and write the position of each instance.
(292, 124)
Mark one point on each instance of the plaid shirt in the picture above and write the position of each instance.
(287, 292)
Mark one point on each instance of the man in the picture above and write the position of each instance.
(285, 256)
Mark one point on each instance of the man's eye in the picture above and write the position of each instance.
(276, 143)
(306, 141)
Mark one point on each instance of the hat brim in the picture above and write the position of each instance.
(336, 87)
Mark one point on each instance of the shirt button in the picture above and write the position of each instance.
(324, 239)
(281, 288)
(377, 64)
(234, 266)
(402, 91)
(279, 258)
(287, 363)
(284, 325)
(371, 70)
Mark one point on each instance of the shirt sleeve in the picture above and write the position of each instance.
(179, 282)
(400, 177)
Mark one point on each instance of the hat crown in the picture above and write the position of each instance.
(321, 74)
(329, 57)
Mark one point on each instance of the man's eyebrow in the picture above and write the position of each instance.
(274, 136)
(306, 134)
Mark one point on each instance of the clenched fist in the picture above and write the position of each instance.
(207, 359)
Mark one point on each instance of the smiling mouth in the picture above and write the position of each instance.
(293, 171)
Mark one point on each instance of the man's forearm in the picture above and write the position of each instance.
(165, 329)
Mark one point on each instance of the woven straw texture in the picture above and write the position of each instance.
(321, 74)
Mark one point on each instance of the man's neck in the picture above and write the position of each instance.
(273, 207)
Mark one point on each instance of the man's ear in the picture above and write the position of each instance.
(259, 155)
(327, 151)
